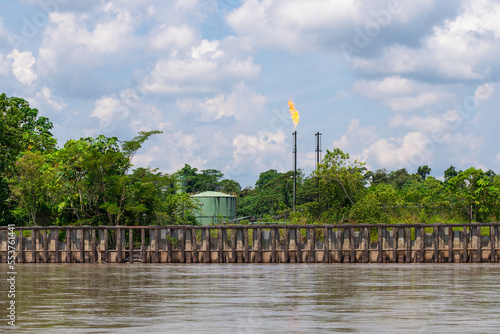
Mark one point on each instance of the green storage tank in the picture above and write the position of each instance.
(216, 208)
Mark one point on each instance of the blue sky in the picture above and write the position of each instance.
(397, 84)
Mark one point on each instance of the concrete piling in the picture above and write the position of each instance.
(273, 243)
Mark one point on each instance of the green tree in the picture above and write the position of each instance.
(116, 205)
(272, 195)
(229, 186)
(377, 206)
(399, 178)
(206, 180)
(428, 199)
(490, 174)
(96, 185)
(378, 177)
(34, 186)
(190, 177)
(341, 182)
(473, 192)
(266, 177)
(178, 209)
(423, 171)
(21, 129)
(209, 180)
(449, 173)
(148, 189)
(92, 169)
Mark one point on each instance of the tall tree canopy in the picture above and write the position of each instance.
(21, 129)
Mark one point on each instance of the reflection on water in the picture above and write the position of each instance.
(300, 298)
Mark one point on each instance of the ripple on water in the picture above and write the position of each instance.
(294, 298)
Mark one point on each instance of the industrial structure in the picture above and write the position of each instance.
(216, 208)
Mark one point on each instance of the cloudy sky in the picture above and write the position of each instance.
(395, 84)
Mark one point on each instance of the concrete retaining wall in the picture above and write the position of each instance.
(416, 243)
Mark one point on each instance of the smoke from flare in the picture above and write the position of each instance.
(294, 113)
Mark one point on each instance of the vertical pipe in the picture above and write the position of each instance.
(294, 168)
(493, 258)
(299, 248)
(385, 244)
(221, 245)
(194, 246)
(68, 246)
(326, 241)
(395, 245)
(245, 244)
(450, 244)
(233, 242)
(143, 245)
(340, 239)
(131, 245)
(20, 258)
(106, 245)
(318, 158)
(308, 247)
(240, 245)
(352, 256)
(157, 245)
(435, 231)
(45, 240)
(259, 245)
(182, 244)
(82, 246)
(465, 246)
(312, 252)
(118, 245)
(94, 246)
(168, 244)
(33, 246)
(286, 237)
(422, 244)
(273, 244)
(207, 246)
(380, 241)
(366, 257)
(479, 251)
(408, 244)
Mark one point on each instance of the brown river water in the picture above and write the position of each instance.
(253, 298)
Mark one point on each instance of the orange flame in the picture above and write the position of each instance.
(294, 113)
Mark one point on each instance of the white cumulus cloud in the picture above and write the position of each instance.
(69, 38)
(172, 38)
(45, 96)
(460, 48)
(108, 108)
(403, 94)
(262, 151)
(410, 150)
(242, 103)
(21, 65)
(304, 26)
(205, 68)
(356, 137)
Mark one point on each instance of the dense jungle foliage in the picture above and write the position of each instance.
(91, 181)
